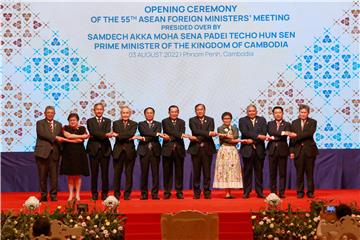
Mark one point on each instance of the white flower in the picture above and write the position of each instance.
(114, 231)
(307, 214)
(253, 217)
(111, 202)
(272, 199)
(32, 203)
(261, 222)
(103, 228)
(88, 218)
(316, 219)
(83, 224)
(276, 238)
(270, 236)
(271, 225)
(106, 231)
(107, 223)
(120, 228)
(226, 129)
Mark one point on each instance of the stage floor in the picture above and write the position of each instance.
(143, 216)
(14, 201)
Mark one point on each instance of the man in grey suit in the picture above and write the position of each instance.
(47, 152)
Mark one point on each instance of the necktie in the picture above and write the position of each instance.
(125, 123)
(99, 121)
(51, 127)
(277, 125)
(174, 122)
(302, 125)
(149, 124)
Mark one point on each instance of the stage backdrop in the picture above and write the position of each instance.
(225, 55)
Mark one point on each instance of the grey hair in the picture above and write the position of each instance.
(304, 106)
(250, 106)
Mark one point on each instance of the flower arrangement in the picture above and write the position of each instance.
(274, 223)
(272, 200)
(97, 224)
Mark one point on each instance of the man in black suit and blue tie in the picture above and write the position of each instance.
(99, 150)
(124, 152)
(173, 152)
(202, 148)
(303, 150)
(149, 150)
(253, 129)
(278, 150)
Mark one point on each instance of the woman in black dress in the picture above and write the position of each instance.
(74, 159)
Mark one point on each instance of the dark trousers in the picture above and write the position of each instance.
(95, 161)
(177, 161)
(48, 167)
(119, 164)
(276, 163)
(146, 161)
(201, 161)
(256, 164)
(304, 164)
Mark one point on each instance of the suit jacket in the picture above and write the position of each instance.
(304, 139)
(45, 141)
(97, 139)
(150, 138)
(122, 142)
(175, 133)
(225, 130)
(248, 131)
(201, 131)
(280, 142)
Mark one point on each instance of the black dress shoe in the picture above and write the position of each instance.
(117, 195)
(207, 196)
(126, 197)
(310, 195)
(245, 196)
(94, 197)
(53, 198)
(179, 195)
(261, 195)
(167, 195)
(144, 197)
(43, 199)
(196, 196)
(104, 196)
(300, 195)
(155, 197)
(229, 197)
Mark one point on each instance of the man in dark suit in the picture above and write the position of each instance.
(99, 150)
(278, 150)
(253, 129)
(201, 148)
(124, 152)
(173, 152)
(303, 150)
(47, 152)
(149, 150)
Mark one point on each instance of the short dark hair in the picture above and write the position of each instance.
(226, 114)
(277, 107)
(99, 104)
(49, 108)
(304, 106)
(200, 104)
(148, 109)
(75, 115)
(343, 210)
(173, 106)
(41, 226)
